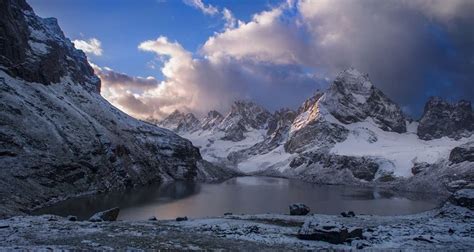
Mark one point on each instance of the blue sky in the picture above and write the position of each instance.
(122, 24)
(274, 52)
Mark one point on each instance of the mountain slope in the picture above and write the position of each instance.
(58, 136)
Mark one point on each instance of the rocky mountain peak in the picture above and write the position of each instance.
(36, 50)
(247, 113)
(441, 118)
(180, 122)
(212, 119)
(353, 98)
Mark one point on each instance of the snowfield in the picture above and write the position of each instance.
(399, 152)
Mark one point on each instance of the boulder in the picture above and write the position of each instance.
(299, 209)
(71, 218)
(152, 218)
(185, 218)
(107, 215)
(419, 167)
(348, 214)
(462, 153)
(329, 231)
(463, 198)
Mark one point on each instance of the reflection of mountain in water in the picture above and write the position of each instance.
(84, 207)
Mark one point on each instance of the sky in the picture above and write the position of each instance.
(155, 56)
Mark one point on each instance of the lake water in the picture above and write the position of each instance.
(243, 195)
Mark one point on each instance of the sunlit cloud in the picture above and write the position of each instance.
(285, 53)
(206, 9)
(91, 46)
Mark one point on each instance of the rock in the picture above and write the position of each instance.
(227, 214)
(348, 214)
(299, 209)
(107, 215)
(420, 167)
(462, 153)
(463, 198)
(185, 218)
(456, 185)
(441, 118)
(71, 218)
(330, 231)
(152, 218)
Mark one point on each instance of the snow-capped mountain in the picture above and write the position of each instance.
(350, 133)
(58, 136)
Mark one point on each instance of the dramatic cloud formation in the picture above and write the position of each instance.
(411, 50)
(206, 9)
(91, 46)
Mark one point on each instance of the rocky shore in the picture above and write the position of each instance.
(448, 227)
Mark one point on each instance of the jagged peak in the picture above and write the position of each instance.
(437, 100)
(351, 82)
(214, 114)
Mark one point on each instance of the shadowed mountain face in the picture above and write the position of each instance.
(58, 136)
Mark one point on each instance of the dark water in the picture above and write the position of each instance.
(247, 195)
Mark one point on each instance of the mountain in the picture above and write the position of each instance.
(180, 122)
(58, 137)
(351, 133)
(441, 118)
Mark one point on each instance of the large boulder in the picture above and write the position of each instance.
(330, 231)
(441, 118)
(462, 153)
(463, 198)
(107, 215)
(299, 209)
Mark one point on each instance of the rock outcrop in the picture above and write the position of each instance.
(36, 50)
(299, 209)
(441, 118)
(463, 198)
(331, 231)
(107, 215)
(462, 153)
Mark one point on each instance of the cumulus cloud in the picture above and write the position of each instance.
(411, 50)
(206, 9)
(91, 46)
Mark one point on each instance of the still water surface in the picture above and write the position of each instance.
(243, 195)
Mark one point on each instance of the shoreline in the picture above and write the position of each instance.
(448, 227)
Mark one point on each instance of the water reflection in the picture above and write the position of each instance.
(249, 195)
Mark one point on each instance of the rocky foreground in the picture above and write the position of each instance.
(449, 227)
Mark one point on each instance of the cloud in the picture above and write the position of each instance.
(92, 46)
(411, 50)
(230, 20)
(206, 9)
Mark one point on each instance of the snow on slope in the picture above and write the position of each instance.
(214, 149)
(400, 150)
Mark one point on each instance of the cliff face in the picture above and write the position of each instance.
(36, 50)
(58, 136)
(441, 118)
